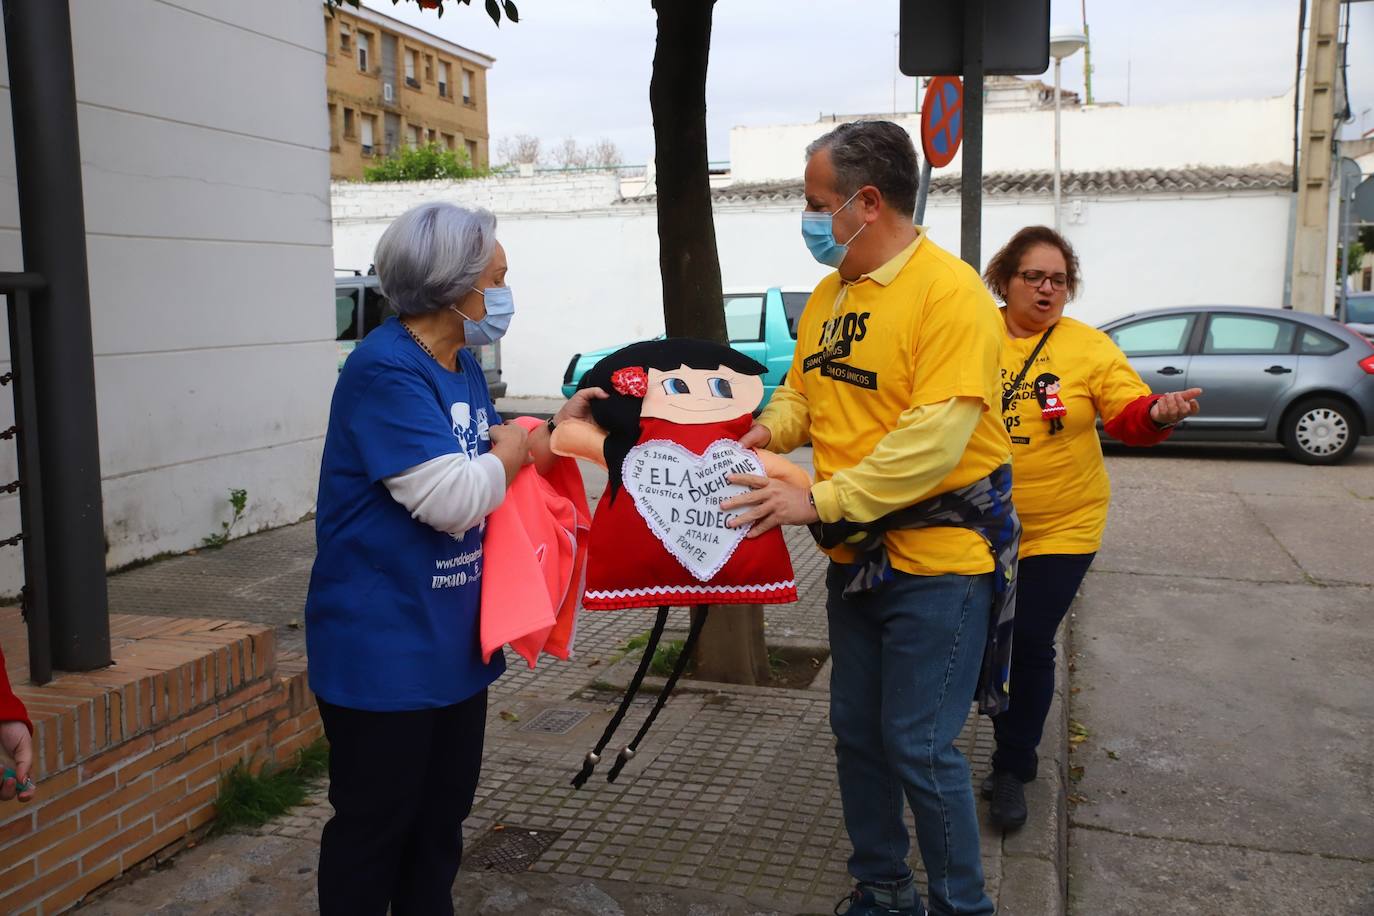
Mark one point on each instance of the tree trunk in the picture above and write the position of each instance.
(730, 647)
(687, 258)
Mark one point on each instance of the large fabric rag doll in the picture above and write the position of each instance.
(668, 437)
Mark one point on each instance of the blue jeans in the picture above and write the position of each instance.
(905, 667)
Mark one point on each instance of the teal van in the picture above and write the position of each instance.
(761, 325)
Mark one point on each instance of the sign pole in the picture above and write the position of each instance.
(971, 179)
(1342, 266)
(923, 189)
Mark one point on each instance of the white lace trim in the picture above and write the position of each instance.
(694, 589)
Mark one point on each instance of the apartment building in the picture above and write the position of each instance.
(390, 84)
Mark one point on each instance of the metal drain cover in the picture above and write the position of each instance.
(509, 850)
(556, 721)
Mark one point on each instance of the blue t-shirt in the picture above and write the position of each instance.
(391, 619)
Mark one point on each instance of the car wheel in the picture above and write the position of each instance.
(1321, 431)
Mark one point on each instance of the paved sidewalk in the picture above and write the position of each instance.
(1223, 643)
(731, 807)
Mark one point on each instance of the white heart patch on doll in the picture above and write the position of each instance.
(678, 494)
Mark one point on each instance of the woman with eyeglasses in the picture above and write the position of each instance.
(1058, 376)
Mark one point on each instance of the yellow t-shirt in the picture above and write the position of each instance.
(1059, 482)
(920, 330)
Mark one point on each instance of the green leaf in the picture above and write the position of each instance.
(1076, 774)
(494, 11)
(511, 12)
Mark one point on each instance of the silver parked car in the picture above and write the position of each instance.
(1268, 375)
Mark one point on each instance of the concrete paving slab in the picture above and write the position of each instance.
(1329, 538)
(1226, 712)
(1178, 531)
(1115, 875)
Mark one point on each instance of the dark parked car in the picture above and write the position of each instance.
(1268, 375)
(359, 307)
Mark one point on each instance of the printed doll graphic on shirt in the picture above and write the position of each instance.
(1047, 387)
(467, 432)
(668, 435)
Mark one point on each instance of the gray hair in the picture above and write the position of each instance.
(431, 255)
(877, 153)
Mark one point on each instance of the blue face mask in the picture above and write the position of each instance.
(819, 232)
(500, 307)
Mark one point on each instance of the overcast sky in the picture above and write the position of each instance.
(581, 69)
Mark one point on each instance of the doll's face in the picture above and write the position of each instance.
(696, 396)
(1052, 389)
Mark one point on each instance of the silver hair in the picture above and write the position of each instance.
(431, 255)
(879, 153)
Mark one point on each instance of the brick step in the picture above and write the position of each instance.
(128, 758)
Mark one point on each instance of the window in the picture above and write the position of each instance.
(744, 318)
(443, 79)
(1166, 336)
(467, 86)
(471, 147)
(429, 68)
(1315, 343)
(350, 125)
(433, 137)
(375, 309)
(345, 38)
(792, 306)
(346, 313)
(1359, 309)
(369, 125)
(333, 127)
(413, 134)
(411, 81)
(363, 44)
(448, 141)
(1237, 334)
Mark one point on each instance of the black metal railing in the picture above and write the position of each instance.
(32, 535)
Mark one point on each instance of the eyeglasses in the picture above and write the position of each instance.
(1037, 278)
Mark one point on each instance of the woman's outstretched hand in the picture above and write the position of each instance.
(1175, 406)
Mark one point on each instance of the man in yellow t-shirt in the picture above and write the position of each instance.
(895, 384)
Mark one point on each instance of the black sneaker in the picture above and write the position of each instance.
(1008, 796)
(985, 789)
(861, 902)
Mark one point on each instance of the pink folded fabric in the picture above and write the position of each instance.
(534, 552)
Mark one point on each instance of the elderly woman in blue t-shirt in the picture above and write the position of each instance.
(414, 460)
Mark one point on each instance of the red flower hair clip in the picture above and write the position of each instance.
(631, 381)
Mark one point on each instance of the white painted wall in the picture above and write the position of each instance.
(204, 144)
(589, 279)
(1239, 132)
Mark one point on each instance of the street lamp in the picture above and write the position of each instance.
(1064, 42)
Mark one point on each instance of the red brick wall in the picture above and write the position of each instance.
(129, 757)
